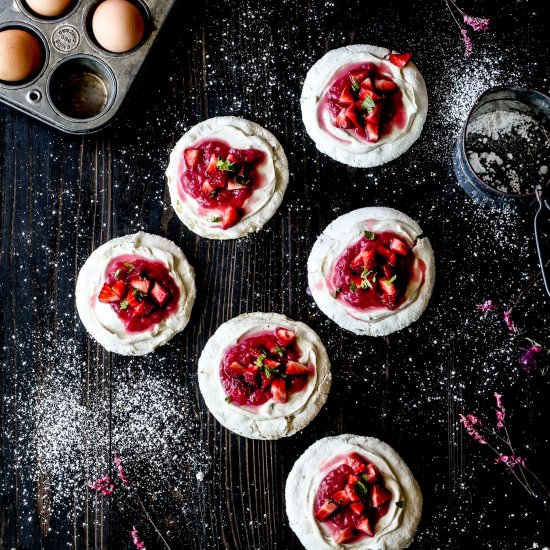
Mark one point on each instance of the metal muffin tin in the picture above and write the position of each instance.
(81, 86)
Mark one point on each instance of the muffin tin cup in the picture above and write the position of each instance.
(81, 87)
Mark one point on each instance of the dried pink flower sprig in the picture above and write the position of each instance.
(533, 357)
(106, 487)
(474, 426)
(475, 23)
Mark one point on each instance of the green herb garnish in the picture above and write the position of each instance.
(368, 104)
(260, 360)
(369, 235)
(279, 351)
(130, 266)
(215, 219)
(353, 286)
(226, 166)
(391, 280)
(336, 292)
(117, 274)
(241, 179)
(214, 193)
(354, 84)
(138, 294)
(124, 304)
(363, 487)
(400, 503)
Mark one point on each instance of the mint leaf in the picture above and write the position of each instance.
(260, 360)
(130, 267)
(226, 166)
(353, 286)
(362, 487)
(215, 219)
(391, 280)
(241, 179)
(279, 351)
(117, 274)
(368, 104)
(369, 235)
(354, 84)
(124, 304)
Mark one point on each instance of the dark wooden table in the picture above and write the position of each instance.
(62, 196)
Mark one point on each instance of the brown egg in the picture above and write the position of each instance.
(50, 8)
(21, 55)
(118, 25)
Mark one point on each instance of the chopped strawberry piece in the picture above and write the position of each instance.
(371, 473)
(379, 495)
(192, 157)
(207, 188)
(285, 337)
(357, 465)
(392, 259)
(132, 298)
(107, 295)
(341, 498)
(352, 479)
(326, 510)
(387, 287)
(233, 159)
(400, 59)
(159, 293)
(278, 390)
(143, 285)
(230, 217)
(358, 76)
(383, 252)
(357, 507)
(265, 381)
(217, 178)
(353, 114)
(375, 115)
(342, 121)
(372, 132)
(344, 535)
(120, 288)
(365, 526)
(352, 492)
(383, 85)
(250, 376)
(293, 368)
(233, 185)
(143, 309)
(399, 246)
(366, 259)
(235, 370)
(366, 90)
(272, 364)
(347, 97)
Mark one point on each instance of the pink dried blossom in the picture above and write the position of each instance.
(500, 411)
(120, 470)
(467, 42)
(103, 485)
(477, 23)
(470, 422)
(532, 357)
(510, 461)
(487, 306)
(136, 540)
(509, 321)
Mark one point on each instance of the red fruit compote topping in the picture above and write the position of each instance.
(221, 178)
(351, 499)
(264, 366)
(365, 99)
(141, 292)
(374, 272)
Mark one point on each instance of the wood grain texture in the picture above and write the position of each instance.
(62, 196)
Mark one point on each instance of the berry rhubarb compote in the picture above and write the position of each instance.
(264, 366)
(141, 292)
(221, 178)
(374, 272)
(351, 498)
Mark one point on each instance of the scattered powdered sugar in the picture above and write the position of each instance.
(508, 149)
(72, 429)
